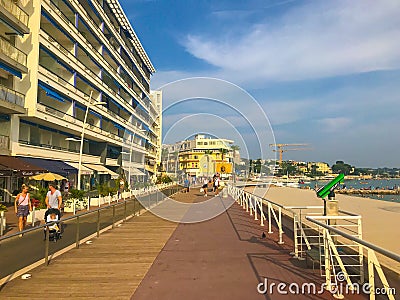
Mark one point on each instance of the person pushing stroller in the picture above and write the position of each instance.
(53, 202)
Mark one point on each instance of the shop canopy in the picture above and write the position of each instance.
(20, 167)
(54, 166)
(4, 171)
(100, 169)
(84, 170)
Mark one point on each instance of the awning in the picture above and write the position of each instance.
(100, 169)
(54, 166)
(84, 170)
(20, 167)
(134, 171)
(5, 172)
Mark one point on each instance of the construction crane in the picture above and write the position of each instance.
(282, 148)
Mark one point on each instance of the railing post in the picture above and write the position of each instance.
(255, 209)
(98, 223)
(77, 233)
(296, 251)
(269, 218)
(46, 247)
(360, 251)
(1, 223)
(125, 210)
(73, 206)
(327, 261)
(33, 218)
(280, 226)
(113, 216)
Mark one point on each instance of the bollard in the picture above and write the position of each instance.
(46, 248)
(224, 192)
(125, 210)
(113, 217)
(33, 216)
(1, 222)
(77, 232)
(98, 223)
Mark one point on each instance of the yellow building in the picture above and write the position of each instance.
(204, 156)
(320, 167)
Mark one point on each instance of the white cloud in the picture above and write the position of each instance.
(334, 124)
(319, 39)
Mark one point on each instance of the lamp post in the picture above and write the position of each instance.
(130, 157)
(82, 136)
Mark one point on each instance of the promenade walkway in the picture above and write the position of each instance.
(150, 258)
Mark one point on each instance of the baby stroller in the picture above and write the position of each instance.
(53, 215)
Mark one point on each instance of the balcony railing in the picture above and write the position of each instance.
(9, 50)
(12, 96)
(4, 142)
(15, 10)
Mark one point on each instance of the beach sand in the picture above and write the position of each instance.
(380, 219)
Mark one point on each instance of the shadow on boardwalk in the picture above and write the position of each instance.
(150, 258)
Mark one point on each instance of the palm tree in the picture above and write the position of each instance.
(207, 153)
(223, 152)
(234, 148)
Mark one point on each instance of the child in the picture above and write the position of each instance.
(53, 218)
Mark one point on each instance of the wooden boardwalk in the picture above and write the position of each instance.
(110, 268)
(150, 258)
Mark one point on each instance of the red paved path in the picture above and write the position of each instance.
(224, 258)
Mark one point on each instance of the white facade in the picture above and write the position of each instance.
(79, 53)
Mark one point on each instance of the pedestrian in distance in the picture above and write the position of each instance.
(22, 207)
(186, 184)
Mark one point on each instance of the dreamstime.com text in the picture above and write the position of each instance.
(311, 288)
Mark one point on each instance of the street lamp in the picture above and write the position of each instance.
(130, 157)
(82, 136)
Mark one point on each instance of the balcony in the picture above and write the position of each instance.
(12, 58)
(11, 102)
(15, 18)
(4, 142)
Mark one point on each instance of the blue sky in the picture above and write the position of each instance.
(325, 73)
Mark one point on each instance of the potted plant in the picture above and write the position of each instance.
(75, 197)
(39, 207)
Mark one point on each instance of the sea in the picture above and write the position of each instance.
(365, 184)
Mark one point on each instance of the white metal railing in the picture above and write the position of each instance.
(304, 237)
(339, 243)
(255, 205)
(332, 255)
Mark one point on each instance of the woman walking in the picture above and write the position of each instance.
(22, 207)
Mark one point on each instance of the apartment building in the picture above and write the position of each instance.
(319, 167)
(169, 158)
(74, 64)
(204, 156)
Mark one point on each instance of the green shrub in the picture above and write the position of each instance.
(76, 194)
(38, 198)
(3, 207)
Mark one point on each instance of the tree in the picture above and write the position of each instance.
(257, 166)
(341, 167)
(208, 153)
(223, 152)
